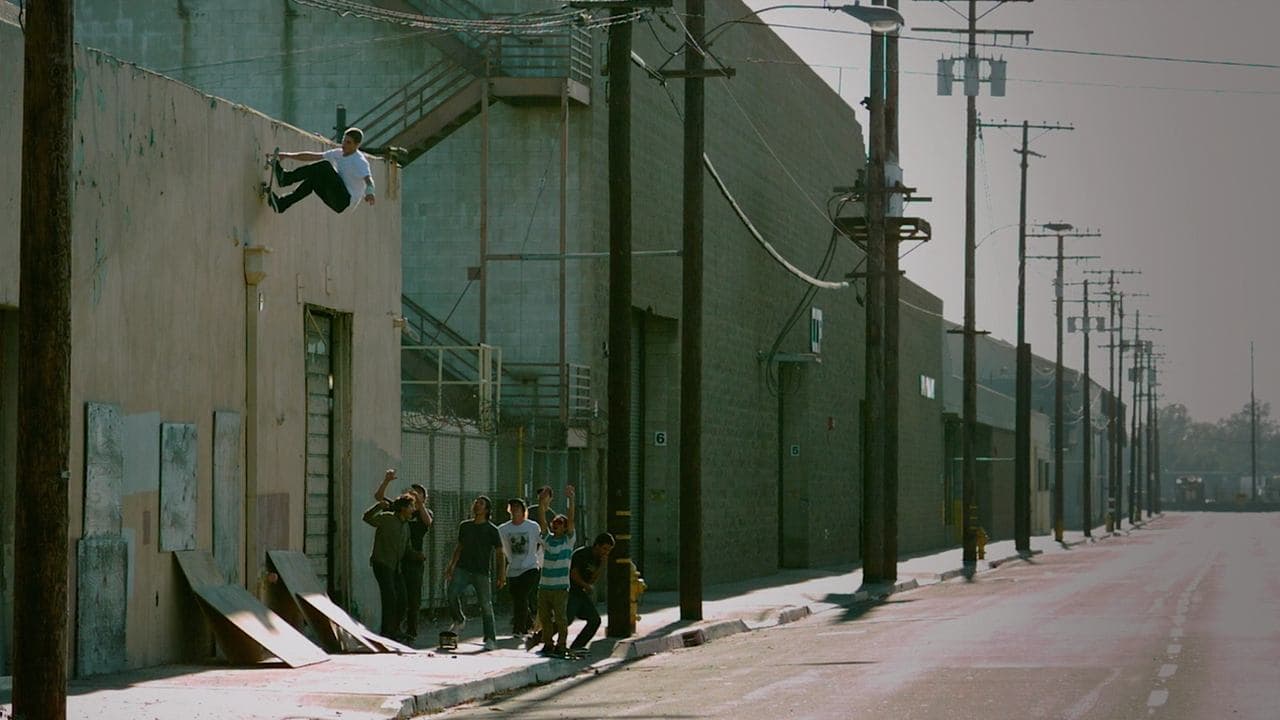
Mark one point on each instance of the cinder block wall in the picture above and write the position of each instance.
(921, 488)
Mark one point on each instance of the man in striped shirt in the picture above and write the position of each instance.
(553, 588)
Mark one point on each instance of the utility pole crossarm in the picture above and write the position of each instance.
(1079, 234)
(1029, 126)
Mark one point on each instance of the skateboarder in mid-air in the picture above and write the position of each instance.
(339, 177)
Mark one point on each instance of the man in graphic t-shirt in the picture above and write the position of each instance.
(522, 544)
(339, 177)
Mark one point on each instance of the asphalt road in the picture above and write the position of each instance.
(1180, 619)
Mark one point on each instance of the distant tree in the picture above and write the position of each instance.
(1222, 446)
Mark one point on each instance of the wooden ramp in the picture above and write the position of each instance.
(338, 631)
(245, 629)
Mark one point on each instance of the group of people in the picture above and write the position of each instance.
(551, 581)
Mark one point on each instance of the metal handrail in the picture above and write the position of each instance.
(552, 55)
(430, 88)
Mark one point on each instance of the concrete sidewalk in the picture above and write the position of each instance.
(351, 687)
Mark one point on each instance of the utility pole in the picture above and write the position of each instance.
(1086, 403)
(1086, 429)
(969, 402)
(892, 296)
(1114, 423)
(873, 479)
(1135, 512)
(1253, 432)
(1141, 349)
(44, 367)
(691, 318)
(621, 623)
(1155, 426)
(1153, 433)
(1022, 384)
(1061, 231)
(1135, 442)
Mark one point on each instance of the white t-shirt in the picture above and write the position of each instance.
(522, 545)
(353, 169)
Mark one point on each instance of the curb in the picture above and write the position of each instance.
(990, 565)
(691, 637)
(405, 707)
(793, 614)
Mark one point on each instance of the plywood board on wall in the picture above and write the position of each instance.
(103, 469)
(244, 627)
(101, 604)
(177, 486)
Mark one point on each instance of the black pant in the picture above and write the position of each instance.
(523, 589)
(319, 178)
(391, 589)
(411, 568)
(582, 607)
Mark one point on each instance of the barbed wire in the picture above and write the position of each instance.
(541, 22)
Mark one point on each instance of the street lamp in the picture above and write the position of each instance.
(880, 18)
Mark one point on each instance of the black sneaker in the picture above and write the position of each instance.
(273, 201)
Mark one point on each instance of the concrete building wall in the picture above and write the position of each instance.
(921, 485)
(165, 204)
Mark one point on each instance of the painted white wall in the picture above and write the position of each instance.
(165, 202)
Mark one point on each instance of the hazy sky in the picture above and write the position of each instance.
(1174, 163)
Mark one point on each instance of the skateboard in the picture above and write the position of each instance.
(266, 188)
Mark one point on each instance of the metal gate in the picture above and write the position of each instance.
(454, 465)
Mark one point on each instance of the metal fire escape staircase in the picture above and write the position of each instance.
(474, 70)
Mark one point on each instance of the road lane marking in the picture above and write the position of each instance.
(1167, 670)
(1175, 632)
(1175, 648)
(1086, 703)
(1157, 698)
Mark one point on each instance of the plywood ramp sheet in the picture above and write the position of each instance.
(244, 627)
(337, 629)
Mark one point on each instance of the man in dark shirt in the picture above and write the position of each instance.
(412, 565)
(391, 536)
(469, 566)
(415, 560)
(584, 569)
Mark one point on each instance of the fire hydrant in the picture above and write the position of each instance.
(637, 589)
(981, 537)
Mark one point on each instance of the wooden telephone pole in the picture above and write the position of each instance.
(1061, 231)
(971, 62)
(44, 370)
(1022, 383)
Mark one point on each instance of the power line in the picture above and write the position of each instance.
(1027, 80)
(1047, 50)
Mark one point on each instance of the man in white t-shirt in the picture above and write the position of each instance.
(340, 177)
(522, 544)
